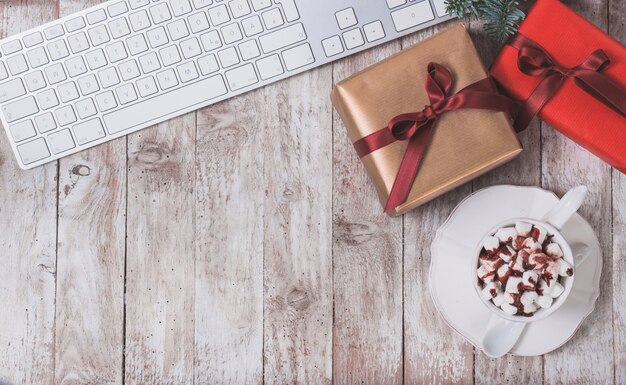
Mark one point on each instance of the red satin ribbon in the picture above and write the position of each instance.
(417, 127)
(533, 60)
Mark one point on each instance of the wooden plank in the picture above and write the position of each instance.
(524, 170)
(587, 357)
(90, 269)
(433, 352)
(160, 254)
(617, 29)
(297, 230)
(28, 206)
(229, 250)
(367, 261)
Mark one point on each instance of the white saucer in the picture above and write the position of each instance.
(451, 258)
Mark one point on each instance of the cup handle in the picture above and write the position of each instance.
(501, 336)
(566, 207)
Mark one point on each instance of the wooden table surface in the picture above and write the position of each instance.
(244, 244)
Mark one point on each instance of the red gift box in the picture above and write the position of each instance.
(570, 40)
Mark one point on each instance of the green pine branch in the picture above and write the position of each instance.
(501, 17)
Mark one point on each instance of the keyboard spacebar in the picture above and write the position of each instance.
(164, 104)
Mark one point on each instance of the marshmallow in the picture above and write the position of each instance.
(529, 279)
(554, 250)
(539, 233)
(491, 245)
(545, 288)
(509, 297)
(531, 246)
(538, 260)
(518, 242)
(498, 300)
(512, 285)
(490, 291)
(523, 228)
(530, 308)
(551, 271)
(557, 290)
(503, 272)
(545, 301)
(518, 264)
(565, 269)
(506, 234)
(506, 253)
(493, 261)
(485, 273)
(508, 308)
(528, 297)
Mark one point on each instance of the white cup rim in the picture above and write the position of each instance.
(568, 282)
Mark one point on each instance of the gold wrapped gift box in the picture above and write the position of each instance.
(465, 144)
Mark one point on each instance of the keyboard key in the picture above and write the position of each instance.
(241, 77)
(190, 48)
(180, 7)
(270, 67)
(139, 20)
(54, 31)
(119, 27)
(219, 15)
(117, 9)
(249, 50)
(129, 70)
(210, 41)
(65, 115)
(22, 130)
(61, 141)
(17, 64)
(85, 108)
(374, 31)
(20, 109)
(353, 38)
(75, 24)
(55, 73)
(412, 16)
(290, 9)
(58, 50)
(99, 35)
(346, 18)
(440, 7)
(228, 57)
(178, 29)
(96, 59)
(208, 64)
(33, 151)
(12, 89)
(167, 79)
(89, 131)
(75, 66)
(395, 3)
(134, 4)
(273, 18)
(261, 4)
(157, 107)
(37, 57)
(160, 13)
(96, 16)
(11, 47)
(32, 39)
(137, 44)
(157, 37)
(169, 55)
(149, 62)
(34, 81)
(239, 8)
(231, 33)
(332, 46)
(78, 42)
(88, 84)
(201, 3)
(126, 93)
(47, 99)
(3, 71)
(106, 101)
(187, 72)
(298, 57)
(252, 26)
(108, 77)
(282, 38)
(147, 86)
(198, 22)
(116, 52)
(45, 122)
(68, 92)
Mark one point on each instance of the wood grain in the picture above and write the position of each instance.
(28, 210)
(229, 243)
(297, 235)
(367, 262)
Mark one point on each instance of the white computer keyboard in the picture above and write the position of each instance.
(125, 65)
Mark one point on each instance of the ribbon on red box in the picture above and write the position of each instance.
(534, 60)
(417, 127)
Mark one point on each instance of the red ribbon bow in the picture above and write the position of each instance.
(533, 60)
(417, 127)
